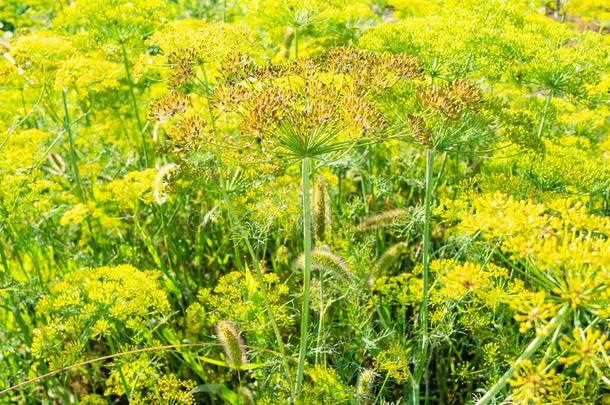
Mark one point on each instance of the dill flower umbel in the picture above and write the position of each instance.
(108, 299)
(588, 350)
(534, 384)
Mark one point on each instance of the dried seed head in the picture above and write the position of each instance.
(364, 67)
(187, 131)
(320, 101)
(245, 396)
(232, 344)
(467, 93)
(404, 65)
(168, 106)
(451, 99)
(362, 114)
(390, 256)
(182, 62)
(347, 59)
(420, 131)
(440, 99)
(383, 219)
(237, 67)
(305, 67)
(269, 72)
(226, 95)
(268, 107)
(56, 163)
(324, 260)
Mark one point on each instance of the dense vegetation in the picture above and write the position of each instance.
(304, 201)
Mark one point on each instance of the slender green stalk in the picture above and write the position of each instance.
(544, 113)
(269, 308)
(422, 361)
(221, 180)
(73, 162)
(321, 320)
(305, 166)
(134, 101)
(385, 380)
(440, 171)
(256, 263)
(296, 43)
(128, 392)
(97, 360)
(529, 351)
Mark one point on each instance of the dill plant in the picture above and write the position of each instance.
(186, 187)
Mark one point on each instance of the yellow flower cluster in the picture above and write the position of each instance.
(535, 384)
(134, 188)
(565, 246)
(588, 351)
(207, 42)
(134, 373)
(23, 149)
(98, 303)
(561, 234)
(395, 362)
(232, 300)
(456, 280)
(91, 73)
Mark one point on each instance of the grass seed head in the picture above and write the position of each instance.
(232, 344)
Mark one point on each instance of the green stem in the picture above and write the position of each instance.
(321, 320)
(544, 113)
(256, 263)
(269, 308)
(221, 180)
(68, 129)
(120, 370)
(385, 381)
(296, 43)
(440, 171)
(134, 101)
(527, 353)
(422, 362)
(305, 166)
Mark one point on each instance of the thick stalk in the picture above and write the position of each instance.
(68, 129)
(544, 113)
(422, 362)
(134, 101)
(527, 353)
(305, 166)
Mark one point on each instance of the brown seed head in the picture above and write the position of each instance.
(167, 106)
(419, 129)
(182, 62)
